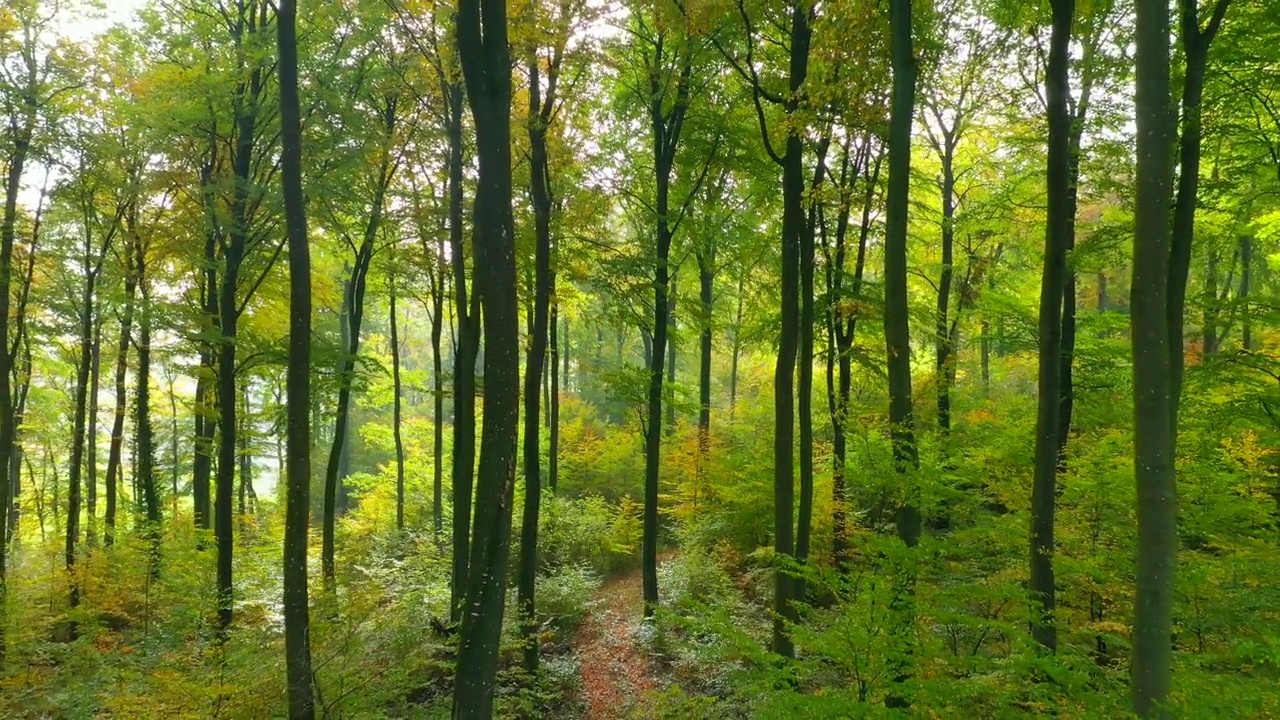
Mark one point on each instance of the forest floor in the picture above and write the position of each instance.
(615, 668)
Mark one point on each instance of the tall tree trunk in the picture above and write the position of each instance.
(843, 330)
(706, 293)
(1246, 280)
(737, 350)
(1195, 47)
(896, 329)
(669, 389)
(76, 462)
(245, 459)
(1155, 344)
(145, 448)
(173, 442)
(335, 494)
(467, 314)
(793, 230)
(223, 512)
(114, 466)
(297, 620)
(202, 450)
(16, 161)
(553, 410)
(396, 409)
(206, 378)
(804, 385)
(437, 397)
(535, 361)
(486, 67)
(91, 433)
(1058, 232)
(665, 126)
(23, 391)
(22, 375)
(942, 336)
(1209, 344)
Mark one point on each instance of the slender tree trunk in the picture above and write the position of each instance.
(535, 361)
(943, 348)
(804, 385)
(145, 448)
(1048, 417)
(793, 230)
(1155, 344)
(77, 454)
(553, 410)
(16, 162)
(669, 389)
(737, 351)
(396, 410)
(206, 401)
(706, 293)
(664, 129)
(437, 398)
(173, 443)
(245, 460)
(91, 433)
(486, 66)
(114, 466)
(336, 498)
(896, 329)
(222, 510)
(1209, 344)
(202, 451)
(1195, 46)
(467, 315)
(1246, 281)
(297, 621)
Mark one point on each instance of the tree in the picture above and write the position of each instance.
(1058, 230)
(541, 113)
(896, 329)
(1155, 399)
(32, 77)
(99, 225)
(378, 94)
(486, 67)
(791, 161)
(298, 481)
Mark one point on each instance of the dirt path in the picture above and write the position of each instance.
(615, 670)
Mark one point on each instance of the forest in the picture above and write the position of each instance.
(651, 359)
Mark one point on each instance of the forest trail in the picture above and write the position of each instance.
(614, 669)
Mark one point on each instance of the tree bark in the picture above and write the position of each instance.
(1058, 230)
(1195, 47)
(539, 117)
(91, 432)
(335, 496)
(297, 622)
(553, 410)
(1246, 281)
(896, 329)
(486, 68)
(396, 409)
(1155, 343)
(467, 315)
(114, 466)
(16, 162)
(706, 294)
(665, 126)
(145, 443)
(943, 360)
